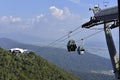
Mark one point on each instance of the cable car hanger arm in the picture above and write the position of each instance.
(102, 16)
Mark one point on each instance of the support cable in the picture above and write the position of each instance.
(90, 35)
(63, 36)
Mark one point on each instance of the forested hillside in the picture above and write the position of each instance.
(87, 67)
(29, 66)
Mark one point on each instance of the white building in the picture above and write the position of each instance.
(18, 50)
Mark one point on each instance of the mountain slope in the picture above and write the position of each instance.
(29, 66)
(61, 57)
(80, 65)
(9, 43)
(87, 67)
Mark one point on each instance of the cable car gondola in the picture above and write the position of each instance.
(80, 50)
(71, 45)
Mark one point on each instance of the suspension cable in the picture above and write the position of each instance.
(81, 31)
(57, 40)
(63, 36)
(81, 38)
(72, 35)
(90, 35)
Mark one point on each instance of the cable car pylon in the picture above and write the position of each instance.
(105, 17)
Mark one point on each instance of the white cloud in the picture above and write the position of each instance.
(61, 13)
(19, 22)
(75, 1)
(15, 19)
(59, 22)
(4, 19)
(37, 19)
(10, 19)
(12, 23)
(56, 12)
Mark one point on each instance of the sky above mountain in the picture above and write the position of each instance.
(43, 21)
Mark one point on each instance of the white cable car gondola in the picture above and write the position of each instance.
(81, 49)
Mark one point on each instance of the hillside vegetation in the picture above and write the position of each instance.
(29, 67)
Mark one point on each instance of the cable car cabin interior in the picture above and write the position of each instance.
(71, 46)
(80, 50)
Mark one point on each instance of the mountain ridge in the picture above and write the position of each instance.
(72, 62)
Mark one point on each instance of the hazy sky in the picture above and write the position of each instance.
(43, 21)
